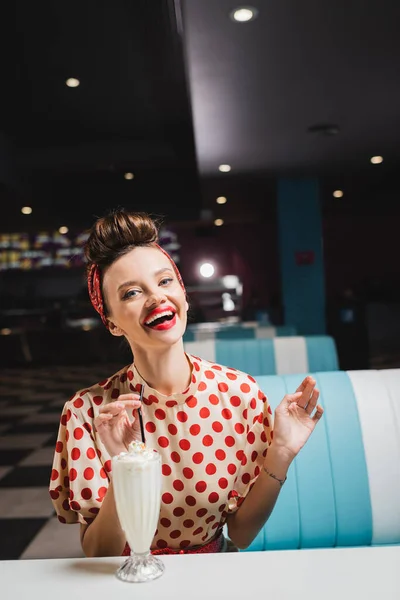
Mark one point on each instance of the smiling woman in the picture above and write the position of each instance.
(211, 425)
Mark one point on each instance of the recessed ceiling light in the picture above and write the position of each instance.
(376, 160)
(244, 14)
(129, 176)
(26, 210)
(224, 168)
(218, 222)
(72, 82)
(207, 270)
(338, 194)
(221, 200)
(63, 230)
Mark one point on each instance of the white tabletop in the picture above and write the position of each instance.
(364, 573)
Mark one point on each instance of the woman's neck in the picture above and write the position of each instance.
(168, 370)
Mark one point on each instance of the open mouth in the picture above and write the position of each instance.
(160, 320)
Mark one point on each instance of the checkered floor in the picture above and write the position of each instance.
(31, 401)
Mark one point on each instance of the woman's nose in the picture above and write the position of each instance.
(154, 300)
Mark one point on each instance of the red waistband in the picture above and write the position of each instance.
(215, 545)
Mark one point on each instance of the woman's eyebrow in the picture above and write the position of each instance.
(156, 273)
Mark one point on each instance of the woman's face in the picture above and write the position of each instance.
(145, 300)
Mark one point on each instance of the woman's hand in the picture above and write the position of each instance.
(293, 423)
(115, 429)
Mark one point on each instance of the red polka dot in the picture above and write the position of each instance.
(220, 454)
(54, 494)
(159, 414)
(235, 401)
(91, 453)
(63, 420)
(65, 505)
(217, 367)
(190, 501)
(59, 447)
(175, 534)
(97, 400)
(73, 474)
(251, 437)
(221, 508)
(204, 412)
(198, 457)
(182, 416)
(201, 486)
(67, 435)
(193, 379)
(210, 519)
(231, 376)
(209, 374)
(195, 429)
(61, 519)
(188, 523)
(75, 505)
(86, 493)
(207, 440)
(68, 415)
(229, 441)
(191, 401)
(197, 531)
(239, 454)
(88, 473)
(103, 474)
(201, 512)
(213, 497)
(263, 437)
(162, 544)
(166, 470)
(215, 526)
(163, 441)
(251, 378)
(254, 455)
(239, 428)
(269, 409)
(88, 427)
(178, 511)
(78, 403)
(202, 386)
(245, 414)
(226, 413)
(115, 393)
(245, 388)
(107, 466)
(165, 522)
(66, 481)
(75, 453)
(167, 498)
(178, 485)
(184, 444)
(175, 457)
(63, 463)
(246, 478)
(257, 471)
(184, 544)
(78, 433)
(213, 399)
(102, 492)
(211, 469)
(150, 427)
(171, 403)
(266, 422)
(223, 387)
(253, 403)
(217, 426)
(187, 473)
(173, 430)
(244, 460)
(223, 483)
(272, 435)
(196, 366)
(231, 469)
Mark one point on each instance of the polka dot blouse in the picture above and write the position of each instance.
(212, 438)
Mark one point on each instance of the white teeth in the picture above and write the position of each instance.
(165, 313)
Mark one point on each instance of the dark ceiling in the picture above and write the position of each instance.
(169, 90)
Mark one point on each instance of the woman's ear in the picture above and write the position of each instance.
(114, 329)
(187, 305)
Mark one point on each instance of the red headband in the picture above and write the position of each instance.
(94, 285)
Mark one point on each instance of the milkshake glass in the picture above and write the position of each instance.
(137, 489)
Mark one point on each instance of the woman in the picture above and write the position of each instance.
(212, 425)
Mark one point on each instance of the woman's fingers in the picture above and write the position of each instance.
(313, 401)
(307, 392)
(318, 413)
(114, 408)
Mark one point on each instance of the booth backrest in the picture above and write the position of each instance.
(280, 356)
(343, 488)
(216, 331)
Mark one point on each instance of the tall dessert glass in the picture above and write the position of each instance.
(137, 489)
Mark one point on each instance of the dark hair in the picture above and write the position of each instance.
(116, 234)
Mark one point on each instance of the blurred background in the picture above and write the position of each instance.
(266, 139)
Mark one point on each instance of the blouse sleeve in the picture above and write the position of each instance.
(79, 477)
(259, 433)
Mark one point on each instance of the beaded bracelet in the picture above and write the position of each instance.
(281, 481)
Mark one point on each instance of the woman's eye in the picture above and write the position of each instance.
(166, 281)
(130, 294)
